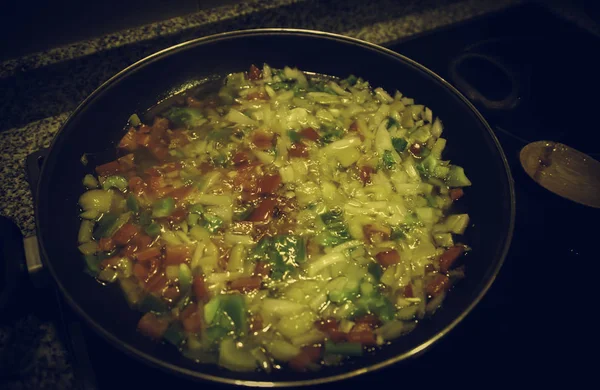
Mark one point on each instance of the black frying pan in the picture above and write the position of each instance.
(97, 125)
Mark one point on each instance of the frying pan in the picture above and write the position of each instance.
(97, 124)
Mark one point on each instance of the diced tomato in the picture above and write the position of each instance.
(370, 320)
(408, 292)
(298, 149)
(365, 174)
(200, 289)
(263, 211)
(136, 185)
(456, 193)
(125, 234)
(179, 138)
(108, 169)
(128, 141)
(437, 285)
(331, 328)
(128, 251)
(156, 182)
(254, 73)
(261, 268)
(193, 102)
(177, 216)
(388, 258)
(111, 262)
(171, 293)
(256, 323)
(191, 318)
(148, 254)
(307, 355)
(160, 125)
(354, 127)
(249, 283)
(448, 258)
(142, 241)
(262, 140)
(310, 134)
(328, 324)
(163, 191)
(337, 335)
(127, 162)
(106, 244)
(142, 139)
(158, 150)
(268, 184)
(177, 254)
(365, 337)
(257, 96)
(241, 158)
(376, 233)
(140, 272)
(181, 192)
(429, 268)
(416, 149)
(153, 326)
(157, 282)
(144, 129)
(246, 178)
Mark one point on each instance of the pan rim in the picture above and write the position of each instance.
(192, 374)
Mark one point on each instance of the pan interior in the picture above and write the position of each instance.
(98, 124)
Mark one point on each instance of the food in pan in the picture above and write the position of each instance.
(287, 220)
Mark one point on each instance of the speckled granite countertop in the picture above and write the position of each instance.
(40, 90)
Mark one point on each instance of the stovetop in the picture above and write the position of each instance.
(532, 78)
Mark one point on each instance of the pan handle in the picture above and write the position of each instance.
(19, 261)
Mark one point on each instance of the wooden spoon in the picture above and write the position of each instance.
(563, 170)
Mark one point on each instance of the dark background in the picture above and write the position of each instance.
(28, 26)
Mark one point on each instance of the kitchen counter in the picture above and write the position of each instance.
(41, 90)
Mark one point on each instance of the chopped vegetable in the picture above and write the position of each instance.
(285, 220)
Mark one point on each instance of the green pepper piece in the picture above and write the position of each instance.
(388, 159)
(116, 181)
(174, 334)
(391, 123)
(192, 219)
(397, 233)
(213, 335)
(92, 263)
(294, 136)
(213, 223)
(153, 230)
(152, 303)
(383, 308)
(163, 208)
(345, 349)
(399, 144)
(242, 212)
(185, 116)
(197, 209)
(185, 277)
(375, 270)
(351, 80)
(235, 307)
(132, 203)
(145, 218)
(104, 225)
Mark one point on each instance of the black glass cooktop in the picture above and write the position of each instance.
(534, 77)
